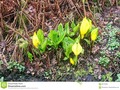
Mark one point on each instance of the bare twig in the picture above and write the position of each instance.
(15, 31)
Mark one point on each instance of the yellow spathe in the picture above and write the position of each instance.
(85, 26)
(72, 61)
(77, 48)
(35, 40)
(94, 34)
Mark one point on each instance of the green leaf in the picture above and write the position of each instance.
(87, 41)
(61, 33)
(53, 38)
(67, 29)
(43, 46)
(67, 45)
(73, 24)
(61, 37)
(30, 56)
(60, 27)
(77, 39)
(68, 50)
(56, 37)
(40, 35)
(75, 59)
(71, 34)
(76, 28)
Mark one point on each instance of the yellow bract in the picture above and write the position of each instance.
(35, 40)
(72, 61)
(77, 48)
(85, 26)
(94, 34)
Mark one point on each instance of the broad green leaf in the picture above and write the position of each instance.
(77, 39)
(67, 45)
(61, 37)
(40, 35)
(76, 28)
(56, 37)
(53, 38)
(43, 46)
(67, 29)
(30, 56)
(60, 27)
(68, 50)
(73, 24)
(72, 34)
(61, 33)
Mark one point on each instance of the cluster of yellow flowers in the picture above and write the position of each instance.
(86, 25)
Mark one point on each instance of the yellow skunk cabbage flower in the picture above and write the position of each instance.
(94, 34)
(77, 48)
(72, 61)
(35, 40)
(85, 26)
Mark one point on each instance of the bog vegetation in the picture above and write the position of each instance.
(59, 40)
